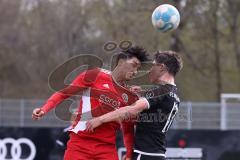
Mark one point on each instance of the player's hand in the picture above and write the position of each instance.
(37, 114)
(135, 89)
(92, 124)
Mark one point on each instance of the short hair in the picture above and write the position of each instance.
(171, 59)
(136, 51)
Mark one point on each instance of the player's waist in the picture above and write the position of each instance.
(150, 143)
(155, 132)
(84, 137)
(150, 147)
(159, 154)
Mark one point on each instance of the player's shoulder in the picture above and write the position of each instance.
(104, 75)
(97, 72)
(104, 72)
(174, 96)
(161, 92)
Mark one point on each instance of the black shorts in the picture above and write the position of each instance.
(139, 156)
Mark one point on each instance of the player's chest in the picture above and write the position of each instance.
(105, 85)
(111, 91)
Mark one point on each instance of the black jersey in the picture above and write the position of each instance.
(153, 123)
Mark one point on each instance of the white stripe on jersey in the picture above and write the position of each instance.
(85, 113)
(170, 117)
(139, 157)
(106, 71)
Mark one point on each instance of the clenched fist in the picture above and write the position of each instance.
(37, 114)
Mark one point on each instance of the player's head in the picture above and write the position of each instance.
(129, 61)
(165, 62)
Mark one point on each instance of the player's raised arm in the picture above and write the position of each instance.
(83, 81)
(54, 100)
(119, 114)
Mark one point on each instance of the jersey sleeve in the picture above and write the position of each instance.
(152, 102)
(156, 94)
(165, 102)
(83, 81)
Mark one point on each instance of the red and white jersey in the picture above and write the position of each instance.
(101, 94)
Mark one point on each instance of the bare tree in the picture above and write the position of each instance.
(215, 22)
(233, 9)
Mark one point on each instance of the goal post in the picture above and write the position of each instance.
(225, 98)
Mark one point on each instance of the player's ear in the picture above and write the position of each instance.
(161, 65)
(165, 67)
(121, 61)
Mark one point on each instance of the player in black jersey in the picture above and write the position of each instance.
(155, 110)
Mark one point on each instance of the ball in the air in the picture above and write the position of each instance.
(165, 18)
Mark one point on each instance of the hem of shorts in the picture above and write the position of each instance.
(149, 154)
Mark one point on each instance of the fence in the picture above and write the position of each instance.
(192, 115)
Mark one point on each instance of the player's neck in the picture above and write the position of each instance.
(116, 75)
(167, 78)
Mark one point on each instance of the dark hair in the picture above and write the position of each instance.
(136, 51)
(171, 59)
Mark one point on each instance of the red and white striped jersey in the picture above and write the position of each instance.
(100, 94)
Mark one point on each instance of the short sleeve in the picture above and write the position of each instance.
(154, 101)
(156, 94)
(146, 100)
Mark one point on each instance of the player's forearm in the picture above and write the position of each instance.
(59, 96)
(53, 101)
(125, 112)
(117, 115)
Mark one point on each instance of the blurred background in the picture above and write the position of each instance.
(36, 36)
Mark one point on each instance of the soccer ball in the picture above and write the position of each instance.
(165, 18)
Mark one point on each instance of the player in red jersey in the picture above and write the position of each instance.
(155, 110)
(101, 93)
